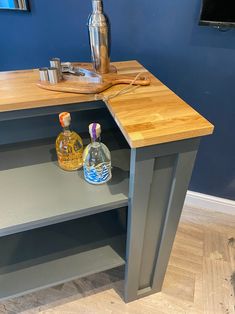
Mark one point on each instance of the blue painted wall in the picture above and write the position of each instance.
(198, 63)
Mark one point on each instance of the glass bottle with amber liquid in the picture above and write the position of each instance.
(69, 145)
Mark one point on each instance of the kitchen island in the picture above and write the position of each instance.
(54, 226)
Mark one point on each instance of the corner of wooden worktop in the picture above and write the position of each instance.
(141, 143)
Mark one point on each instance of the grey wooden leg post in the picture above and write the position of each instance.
(159, 178)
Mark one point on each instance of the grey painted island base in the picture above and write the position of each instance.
(159, 178)
(153, 188)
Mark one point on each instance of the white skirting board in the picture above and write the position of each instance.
(199, 200)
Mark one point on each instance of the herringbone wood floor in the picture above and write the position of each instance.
(200, 277)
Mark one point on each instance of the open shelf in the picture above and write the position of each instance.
(35, 192)
(51, 255)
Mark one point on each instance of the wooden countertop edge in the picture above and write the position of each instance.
(208, 130)
(47, 102)
(168, 139)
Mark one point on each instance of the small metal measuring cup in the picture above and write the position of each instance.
(43, 72)
(53, 75)
(56, 63)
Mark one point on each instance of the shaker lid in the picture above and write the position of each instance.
(65, 119)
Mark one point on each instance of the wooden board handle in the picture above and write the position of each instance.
(142, 81)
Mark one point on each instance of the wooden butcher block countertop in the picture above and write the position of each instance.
(146, 116)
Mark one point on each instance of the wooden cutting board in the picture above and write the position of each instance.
(76, 84)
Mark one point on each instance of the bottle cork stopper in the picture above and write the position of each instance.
(95, 130)
(65, 119)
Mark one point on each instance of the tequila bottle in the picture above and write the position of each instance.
(96, 158)
(69, 146)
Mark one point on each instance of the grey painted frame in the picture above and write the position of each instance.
(159, 178)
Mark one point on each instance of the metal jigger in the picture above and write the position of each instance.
(43, 72)
(53, 75)
(56, 63)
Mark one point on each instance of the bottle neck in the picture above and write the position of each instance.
(66, 130)
(95, 141)
(97, 6)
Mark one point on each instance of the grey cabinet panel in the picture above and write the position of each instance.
(159, 178)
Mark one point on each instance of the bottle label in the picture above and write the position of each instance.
(70, 161)
(99, 174)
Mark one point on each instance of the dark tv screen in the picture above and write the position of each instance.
(218, 12)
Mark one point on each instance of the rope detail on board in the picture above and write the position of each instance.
(125, 90)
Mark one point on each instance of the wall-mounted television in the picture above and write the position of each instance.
(218, 13)
(21, 5)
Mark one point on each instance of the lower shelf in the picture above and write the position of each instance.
(48, 256)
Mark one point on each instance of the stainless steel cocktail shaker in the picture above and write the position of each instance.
(99, 33)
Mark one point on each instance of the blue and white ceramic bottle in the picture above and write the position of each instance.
(96, 158)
